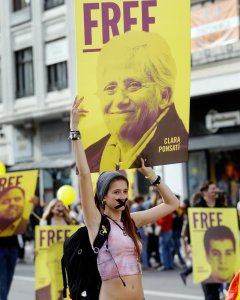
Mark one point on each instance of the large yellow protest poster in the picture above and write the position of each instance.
(133, 69)
(49, 251)
(215, 244)
(16, 192)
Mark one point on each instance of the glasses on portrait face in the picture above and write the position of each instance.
(129, 85)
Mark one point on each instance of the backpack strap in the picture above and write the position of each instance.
(65, 285)
(103, 232)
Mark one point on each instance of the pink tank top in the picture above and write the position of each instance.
(121, 256)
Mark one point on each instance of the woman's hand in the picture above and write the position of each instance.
(76, 112)
(147, 171)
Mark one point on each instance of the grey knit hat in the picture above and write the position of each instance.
(104, 181)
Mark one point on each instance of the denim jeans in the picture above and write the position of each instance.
(165, 249)
(8, 260)
(176, 236)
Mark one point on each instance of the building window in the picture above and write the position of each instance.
(20, 4)
(57, 77)
(24, 73)
(52, 3)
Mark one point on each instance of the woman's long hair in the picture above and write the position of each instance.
(48, 214)
(128, 222)
(131, 229)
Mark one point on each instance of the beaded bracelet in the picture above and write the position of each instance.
(74, 135)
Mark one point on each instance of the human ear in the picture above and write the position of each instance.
(103, 203)
(166, 96)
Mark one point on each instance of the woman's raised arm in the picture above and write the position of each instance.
(170, 201)
(91, 214)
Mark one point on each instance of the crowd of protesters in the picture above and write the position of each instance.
(166, 244)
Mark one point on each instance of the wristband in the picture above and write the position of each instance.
(151, 176)
(74, 135)
(157, 181)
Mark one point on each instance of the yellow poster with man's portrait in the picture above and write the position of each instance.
(133, 69)
(17, 190)
(215, 244)
(49, 250)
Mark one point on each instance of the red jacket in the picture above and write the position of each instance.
(166, 223)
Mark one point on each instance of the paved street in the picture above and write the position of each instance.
(157, 285)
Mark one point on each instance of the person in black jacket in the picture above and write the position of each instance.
(8, 258)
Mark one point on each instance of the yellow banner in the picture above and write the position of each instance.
(133, 67)
(215, 244)
(49, 251)
(16, 192)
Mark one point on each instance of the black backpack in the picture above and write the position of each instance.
(79, 263)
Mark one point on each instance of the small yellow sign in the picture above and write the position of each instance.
(49, 251)
(215, 244)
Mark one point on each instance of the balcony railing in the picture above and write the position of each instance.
(218, 53)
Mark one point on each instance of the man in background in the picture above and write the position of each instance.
(209, 199)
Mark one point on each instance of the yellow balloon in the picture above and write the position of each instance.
(66, 194)
(2, 168)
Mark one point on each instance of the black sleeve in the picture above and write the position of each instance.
(9, 241)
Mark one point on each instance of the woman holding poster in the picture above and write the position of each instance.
(118, 259)
(56, 214)
(48, 254)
